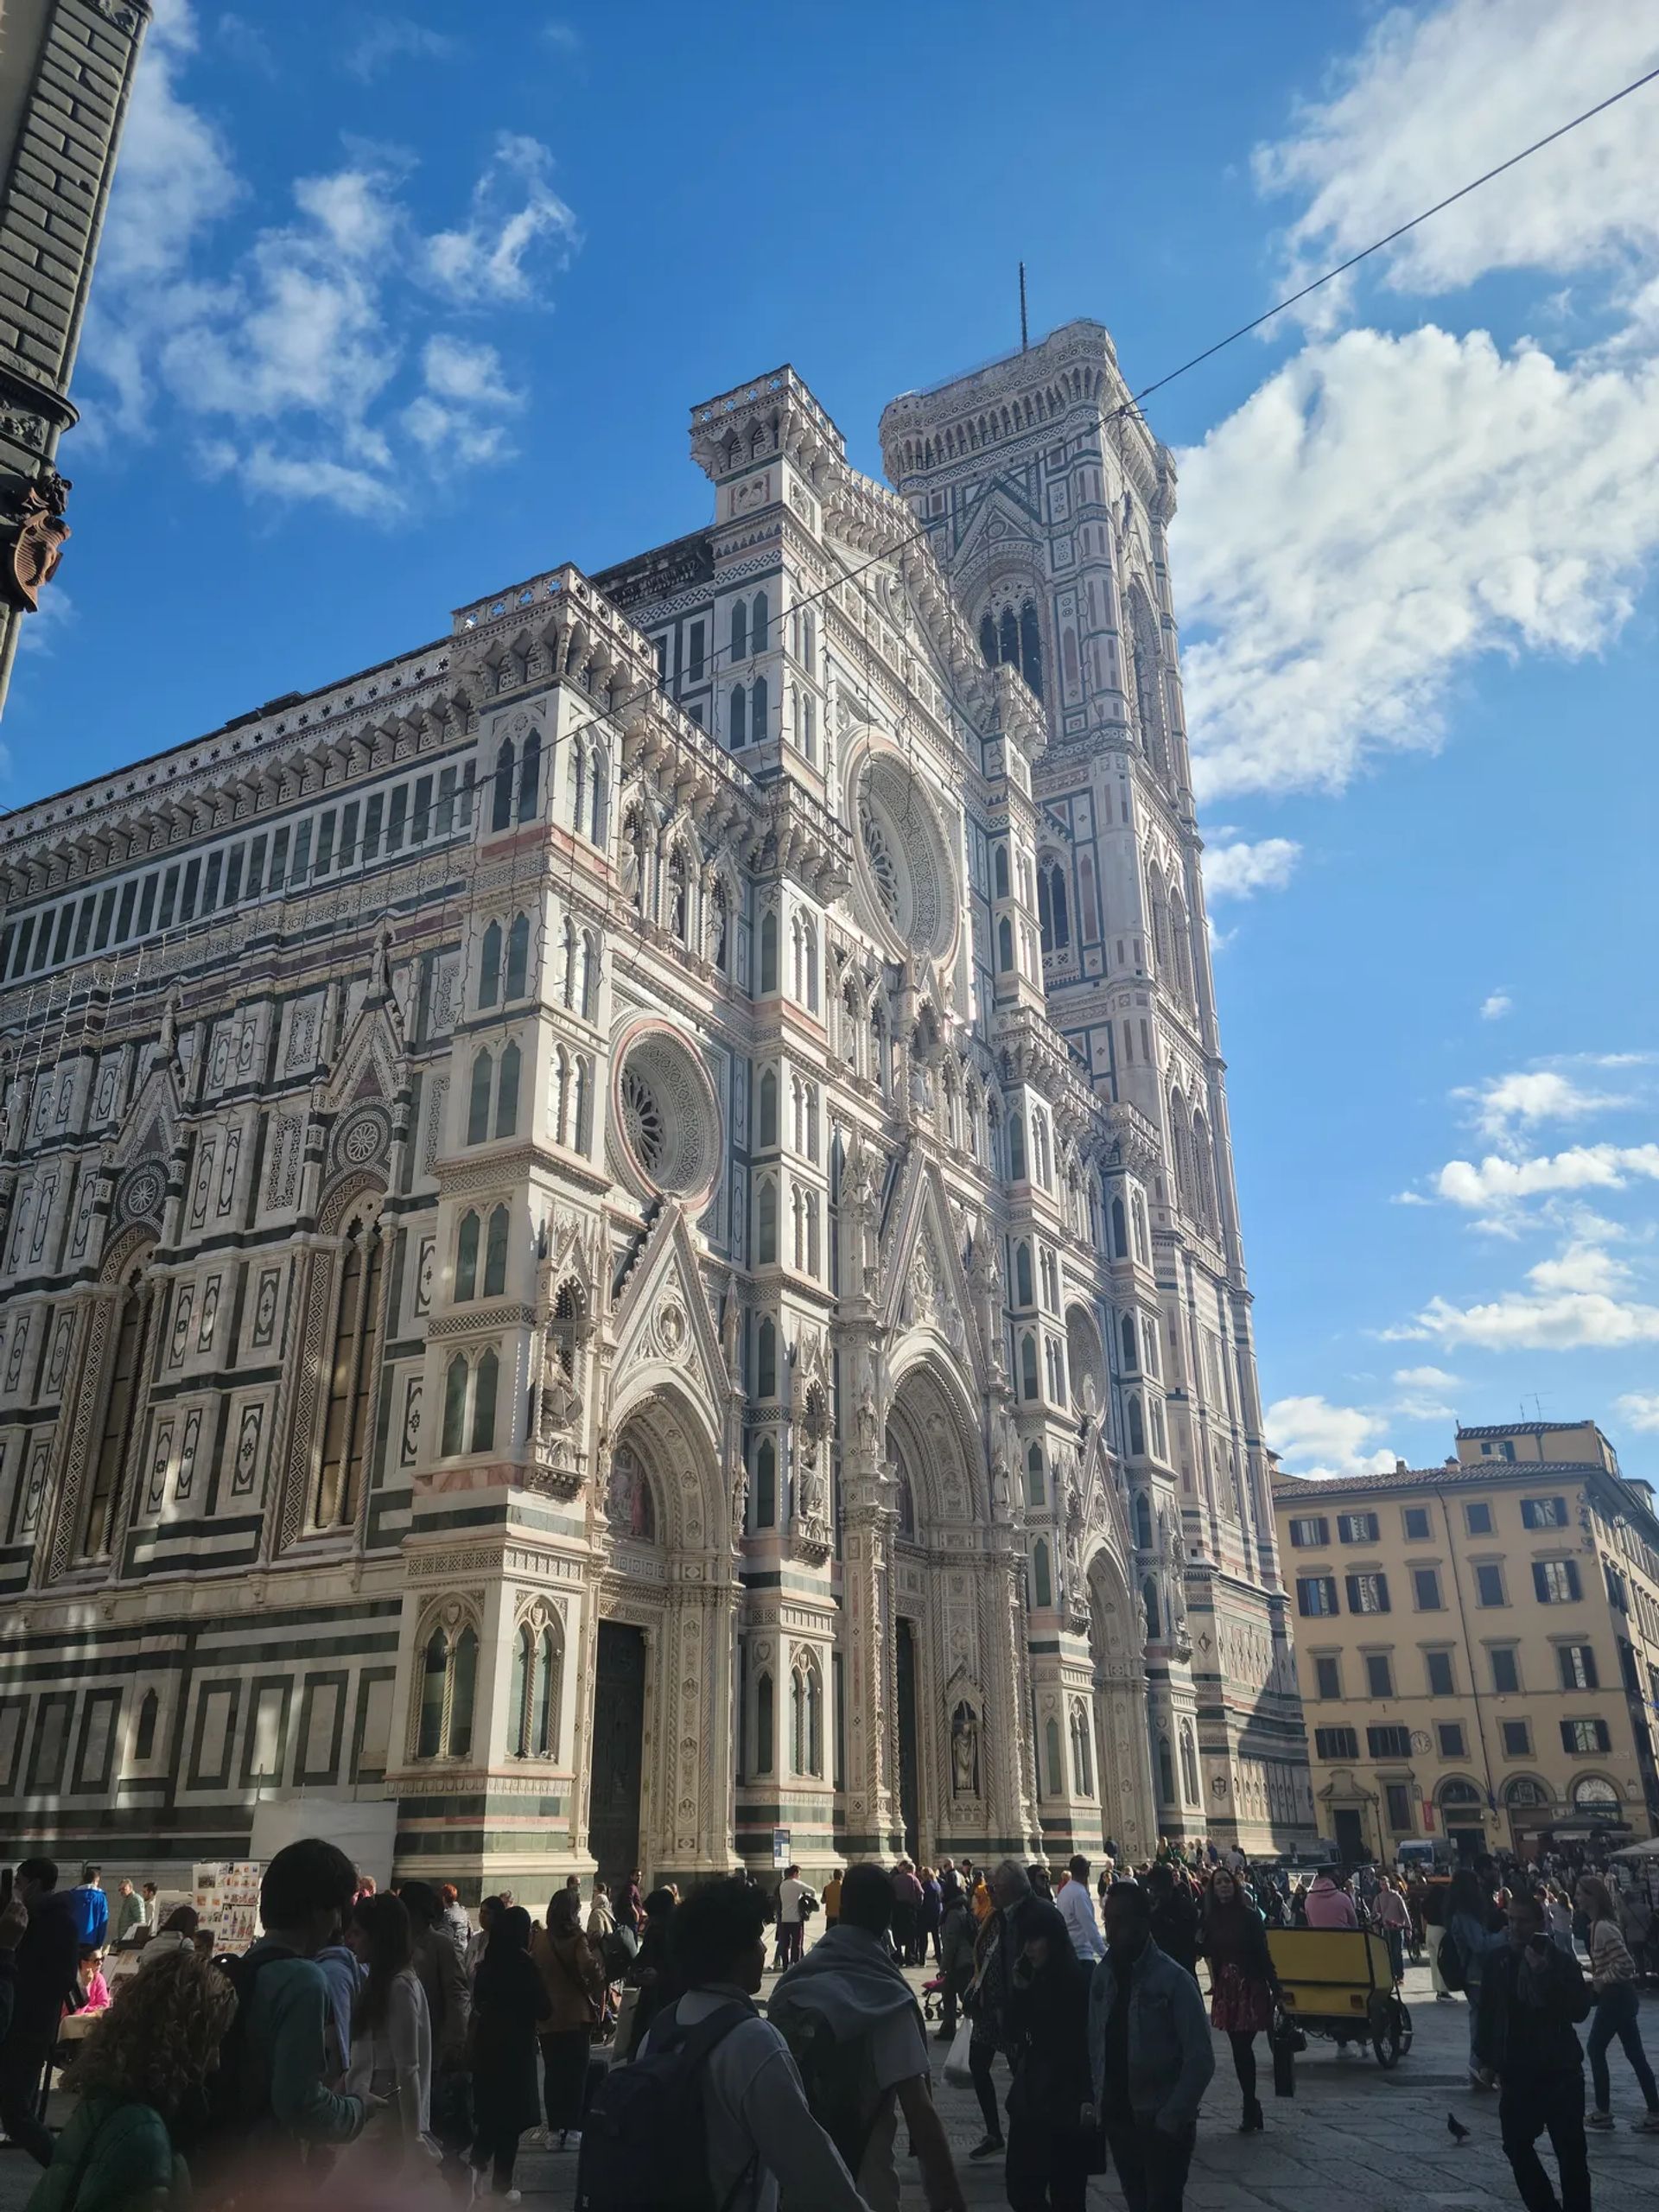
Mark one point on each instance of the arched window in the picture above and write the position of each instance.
(549, 1693)
(758, 711)
(809, 641)
(489, 967)
(767, 1132)
(495, 1254)
(1028, 1365)
(462, 1689)
(478, 1101)
(1082, 1764)
(1031, 648)
(149, 1711)
(1140, 1229)
(435, 1669)
(1190, 1767)
(576, 786)
(1005, 944)
(763, 1723)
(501, 806)
(522, 1692)
(988, 640)
(1016, 1148)
(765, 1485)
(125, 1370)
(766, 1222)
(1137, 1427)
(809, 966)
(1034, 1484)
(737, 717)
(529, 778)
(1120, 1231)
(1053, 907)
(455, 1406)
(1000, 870)
(1051, 1757)
(517, 955)
(466, 1258)
(1149, 1600)
(1007, 638)
(588, 1007)
(506, 1093)
(484, 1387)
(768, 951)
(765, 1360)
(1042, 1581)
(350, 1377)
(1022, 1291)
(1130, 1343)
(740, 631)
(1166, 1772)
(1143, 1522)
(758, 623)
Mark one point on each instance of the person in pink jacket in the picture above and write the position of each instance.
(1328, 1906)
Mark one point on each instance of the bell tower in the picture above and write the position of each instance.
(1048, 501)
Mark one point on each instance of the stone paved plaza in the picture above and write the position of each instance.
(1351, 2136)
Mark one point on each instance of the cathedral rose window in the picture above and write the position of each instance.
(642, 1119)
(666, 1120)
(905, 864)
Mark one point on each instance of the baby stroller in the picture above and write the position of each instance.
(932, 1996)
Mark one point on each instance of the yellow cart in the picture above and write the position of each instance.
(1338, 1982)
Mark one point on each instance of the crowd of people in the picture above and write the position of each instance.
(386, 2036)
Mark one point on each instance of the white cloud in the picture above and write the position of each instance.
(1314, 1437)
(1495, 1005)
(1638, 1409)
(1437, 96)
(1241, 869)
(1383, 511)
(1573, 1302)
(1423, 1393)
(306, 361)
(377, 41)
(1499, 1182)
(1533, 1094)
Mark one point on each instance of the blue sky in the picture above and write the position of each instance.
(397, 305)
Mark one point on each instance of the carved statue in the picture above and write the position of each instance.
(1001, 1489)
(166, 1043)
(380, 966)
(868, 1421)
(964, 1752)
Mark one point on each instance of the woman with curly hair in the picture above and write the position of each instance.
(142, 2068)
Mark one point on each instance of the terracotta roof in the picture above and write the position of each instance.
(1524, 1472)
(1523, 1427)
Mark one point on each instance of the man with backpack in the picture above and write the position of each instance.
(710, 2115)
(849, 2017)
(270, 2093)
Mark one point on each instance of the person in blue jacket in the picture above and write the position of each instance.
(1150, 2055)
(92, 1907)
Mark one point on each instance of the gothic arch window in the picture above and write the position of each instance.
(125, 1372)
(806, 1717)
(1149, 1600)
(740, 631)
(348, 1409)
(550, 1690)
(766, 1118)
(1051, 1760)
(758, 623)
(1082, 1764)
(1022, 1287)
(1131, 1344)
(768, 951)
(1053, 908)
(501, 806)
(1190, 1767)
(517, 955)
(807, 971)
(576, 783)
(809, 641)
(1007, 638)
(1028, 1365)
(1141, 1240)
(518, 1707)
(449, 1688)
(455, 1406)
(600, 771)
(1142, 1523)
(1181, 945)
(1120, 1231)
(1000, 870)
(762, 1762)
(765, 1360)
(529, 778)
(495, 1254)
(758, 711)
(588, 1007)
(1166, 1772)
(1005, 944)
(506, 1093)
(536, 1690)
(470, 1385)
(988, 640)
(1137, 1428)
(1016, 1148)
(737, 714)
(143, 1741)
(1203, 1187)
(466, 1258)
(1035, 1488)
(484, 1379)
(765, 1222)
(1042, 1581)
(1031, 648)
(765, 1485)
(489, 967)
(478, 1101)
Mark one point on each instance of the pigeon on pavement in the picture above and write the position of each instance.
(1455, 2129)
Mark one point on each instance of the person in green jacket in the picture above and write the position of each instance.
(145, 2062)
(304, 1900)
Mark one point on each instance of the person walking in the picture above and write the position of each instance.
(999, 1940)
(850, 2020)
(957, 1933)
(443, 1971)
(1531, 1997)
(1468, 1924)
(1076, 1903)
(1150, 2055)
(1558, 1918)
(509, 2007)
(1050, 2150)
(45, 1977)
(932, 1910)
(142, 2070)
(793, 1893)
(128, 1911)
(91, 1906)
(1242, 1983)
(1393, 1916)
(575, 1982)
(906, 1912)
(1174, 1916)
(832, 1898)
(391, 2039)
(1330, 1904)
(1612, 1978)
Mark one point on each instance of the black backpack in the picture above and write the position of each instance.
(1449, 1959)
(236, 2097)
(835, 2076)
(644, 2138)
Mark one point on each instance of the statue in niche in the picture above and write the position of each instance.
(167, 1041)
(1002, 1488)
(964, 1752)
(867, 1420)
(380, 966)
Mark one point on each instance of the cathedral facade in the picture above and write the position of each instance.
(618, 1234)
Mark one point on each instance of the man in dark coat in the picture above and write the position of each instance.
(47, 1961)
(1532, 1993)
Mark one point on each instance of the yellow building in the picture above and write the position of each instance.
(1478, 1643)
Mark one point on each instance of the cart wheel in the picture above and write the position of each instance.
(1390, 2031)
(1405, 2027)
